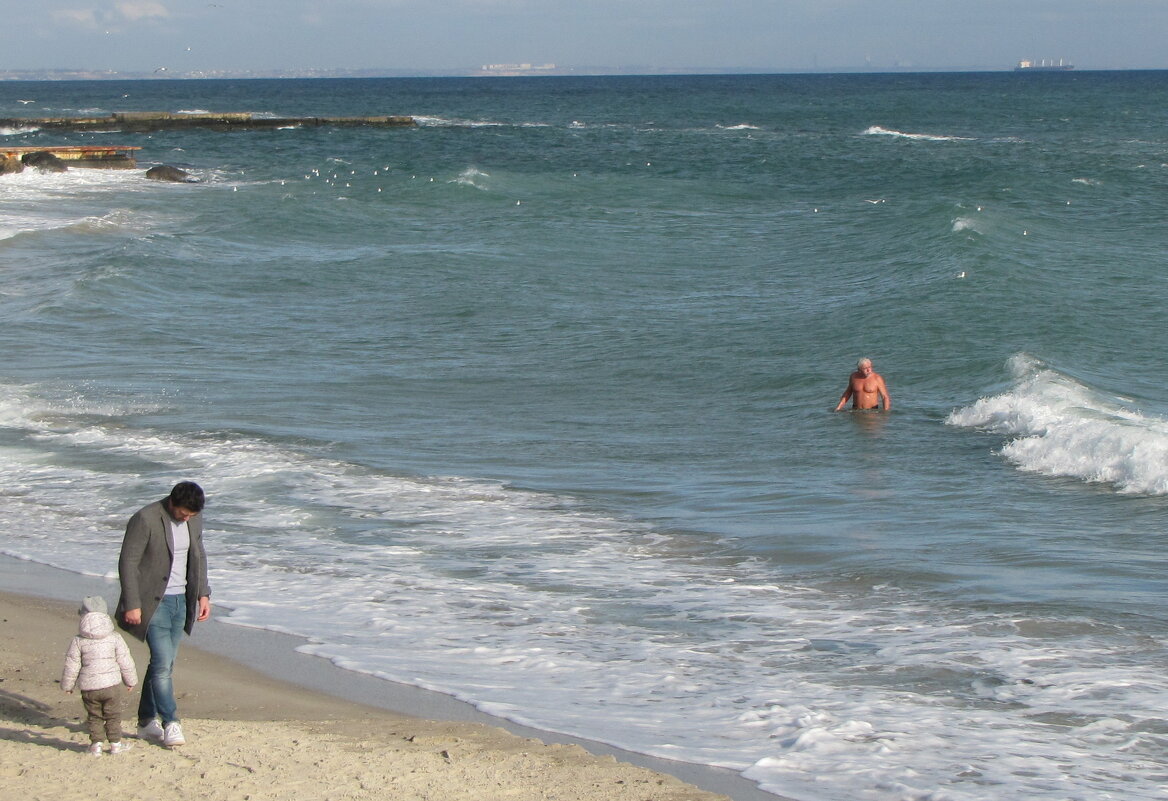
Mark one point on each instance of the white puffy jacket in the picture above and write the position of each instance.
(97, 657)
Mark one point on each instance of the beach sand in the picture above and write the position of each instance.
(251, 737)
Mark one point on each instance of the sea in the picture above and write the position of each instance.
(532, 403)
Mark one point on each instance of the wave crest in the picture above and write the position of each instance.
(965, 224)
(472, 176)
(877, 130)
(1062, 427)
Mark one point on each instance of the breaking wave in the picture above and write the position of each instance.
(1061, 427)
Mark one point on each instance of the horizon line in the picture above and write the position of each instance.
(82, 74)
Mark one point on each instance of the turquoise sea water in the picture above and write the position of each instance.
(532, 404)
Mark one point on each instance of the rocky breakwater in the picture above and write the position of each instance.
(151, 121)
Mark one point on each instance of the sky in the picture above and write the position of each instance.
(459, 36)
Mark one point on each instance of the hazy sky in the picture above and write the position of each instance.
(460, 35)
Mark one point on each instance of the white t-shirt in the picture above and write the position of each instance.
(177, 583)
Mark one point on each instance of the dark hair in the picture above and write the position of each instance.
(188, 495)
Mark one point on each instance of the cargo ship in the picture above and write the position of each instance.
(1043, 66)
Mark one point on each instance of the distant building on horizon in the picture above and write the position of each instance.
(518, 69)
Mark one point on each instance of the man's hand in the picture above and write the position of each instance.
(133, 617)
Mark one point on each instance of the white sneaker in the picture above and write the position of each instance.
(95, 749)
(120, 748)
(173, 735)
(151, 731)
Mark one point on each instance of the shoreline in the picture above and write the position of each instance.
(301, 688)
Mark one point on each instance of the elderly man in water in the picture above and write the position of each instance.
(866, 389)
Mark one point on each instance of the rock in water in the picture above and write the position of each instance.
(44, 161)
(165, 172)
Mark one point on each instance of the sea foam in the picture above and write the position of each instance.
(877, 130)
(1061, 427)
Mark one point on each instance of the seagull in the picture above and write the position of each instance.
(161, 69)
(26, 101)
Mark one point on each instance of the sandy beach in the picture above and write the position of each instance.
(251, 737)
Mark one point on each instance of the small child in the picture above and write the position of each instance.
(98, 663)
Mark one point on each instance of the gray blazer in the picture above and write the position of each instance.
(144, 566)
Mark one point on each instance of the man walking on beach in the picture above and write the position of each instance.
(866, 389)
(163, 572)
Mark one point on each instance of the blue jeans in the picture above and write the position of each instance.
(163, 636)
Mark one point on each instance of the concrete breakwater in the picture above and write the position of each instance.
(150, 121)
(13, 159)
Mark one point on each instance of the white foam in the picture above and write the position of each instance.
(877, 130)
(427, 121)
(965, 224)
(1060, 427)
(445, 122)
(33, 185)
(472, 176)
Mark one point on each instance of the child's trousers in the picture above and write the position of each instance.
(104, 710)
